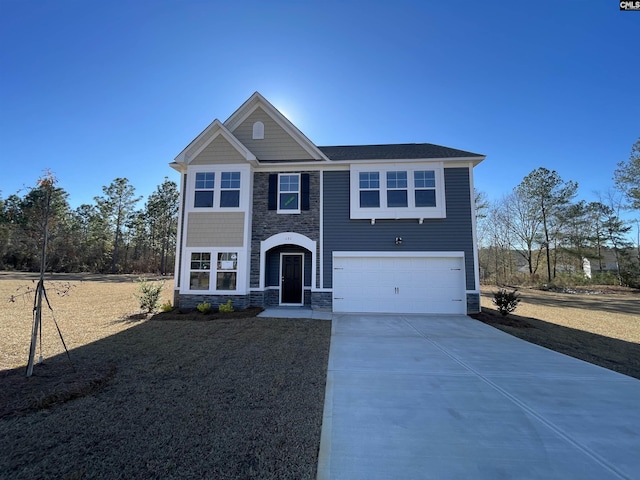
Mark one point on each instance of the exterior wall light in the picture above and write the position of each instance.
(398, 240)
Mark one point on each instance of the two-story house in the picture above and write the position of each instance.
(267, 218)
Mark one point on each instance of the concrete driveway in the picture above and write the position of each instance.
(448, 397)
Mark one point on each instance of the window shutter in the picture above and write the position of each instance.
(273, 191)
(304, 191)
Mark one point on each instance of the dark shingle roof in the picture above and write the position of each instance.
(394, 151)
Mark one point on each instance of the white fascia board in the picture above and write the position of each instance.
(463, 162)
(179, 166)
(182, 155)
(202, 141)
(256, 100)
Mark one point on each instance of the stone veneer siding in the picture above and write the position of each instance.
(192, 301)
(473, 303)
(266, 223)
(321, 301)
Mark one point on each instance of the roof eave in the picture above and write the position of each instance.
(475, 160)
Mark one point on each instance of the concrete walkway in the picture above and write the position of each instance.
(447, 397)
(295, 312)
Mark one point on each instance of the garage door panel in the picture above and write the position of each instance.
(399, 284)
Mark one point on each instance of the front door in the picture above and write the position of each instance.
(291, 286)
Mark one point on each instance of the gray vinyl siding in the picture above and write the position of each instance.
(453, 233)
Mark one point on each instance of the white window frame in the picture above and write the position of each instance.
(220, 268)
(368, 189)
(214, 270)
(410, 211)
(224, 189)
(396, 188)
(198, 270)
(299, 192)
(196, 189)
(218, 170)
(425, 188)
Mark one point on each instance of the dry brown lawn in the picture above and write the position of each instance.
(216, 398)
(96, 307)
(600, 327)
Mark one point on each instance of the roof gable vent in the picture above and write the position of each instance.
(258, 131)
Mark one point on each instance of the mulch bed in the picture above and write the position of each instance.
(193, 314)
(617, 355)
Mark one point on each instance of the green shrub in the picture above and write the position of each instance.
(225, 307)
(605, 278)
(204, 307)
(505, 301)
(166, 306)
(149, 294)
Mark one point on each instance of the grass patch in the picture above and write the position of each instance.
(617, 355)
(229, 397)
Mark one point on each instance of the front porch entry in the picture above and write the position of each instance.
(288, 269)
(292, 279)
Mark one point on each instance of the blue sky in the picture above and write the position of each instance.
(95, 90)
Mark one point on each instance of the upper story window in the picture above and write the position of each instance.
(204, 189)
(369, 189)
(218, 187)
(425, 188)
(289, 193)
(397, 191)
(230, 189)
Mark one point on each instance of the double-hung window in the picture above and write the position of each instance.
(200, 271)
(218, 188)
(289, 193)
(369, 183)
(204, 190)
(227, 271)
(213, 271)
(397, 189)
(425, 188)
(230, 189)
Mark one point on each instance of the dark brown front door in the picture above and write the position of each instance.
(291, 279)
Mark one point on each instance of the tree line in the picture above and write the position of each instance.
(110, 235)
(541, 223)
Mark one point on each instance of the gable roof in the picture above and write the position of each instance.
(256, 100)
(215, 129)
(398, 151)
(345, 153)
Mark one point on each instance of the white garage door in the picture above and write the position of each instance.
(392, 284)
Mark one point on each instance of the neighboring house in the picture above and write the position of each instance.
(268, 218)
